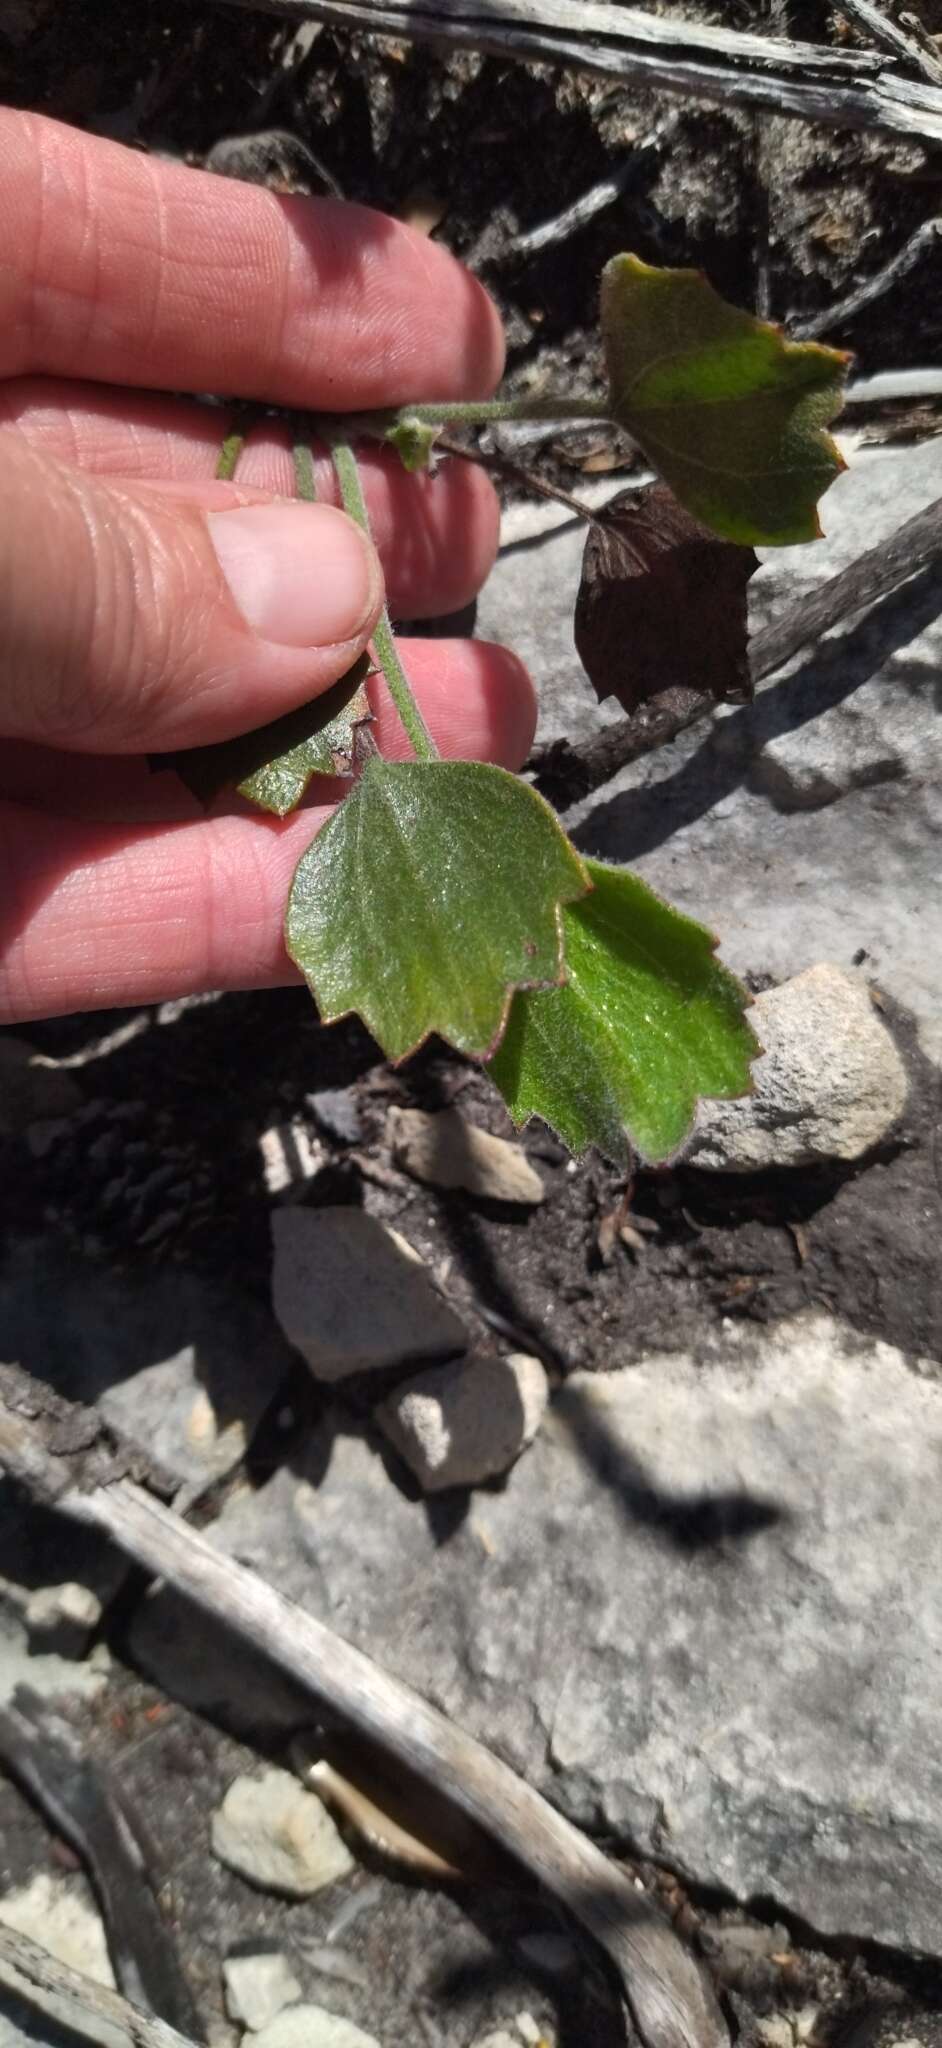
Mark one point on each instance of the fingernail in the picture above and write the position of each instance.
(302, 575)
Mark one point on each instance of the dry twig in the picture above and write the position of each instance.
(882, 281)
(894, 38)
(75, 2004)
(76, 1798)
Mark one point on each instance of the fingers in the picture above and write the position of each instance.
(131, 622)
(477, 700)
(118, 267)
(96, 915)
(436, 535)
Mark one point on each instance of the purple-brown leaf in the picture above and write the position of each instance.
(662, 605)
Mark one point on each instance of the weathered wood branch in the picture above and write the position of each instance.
(79, 1802)
(665, 1990)
(922, 242)
(894, 38)
(31, 1977)
(566, 774)
(730, 67)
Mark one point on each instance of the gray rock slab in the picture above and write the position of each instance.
(830, 1083)
(61, 1915)
(350, 1300)
(279, 1836)
(703, 1613)
(183, 1367)
(807, 825)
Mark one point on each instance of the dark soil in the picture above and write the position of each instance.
(161, 1166)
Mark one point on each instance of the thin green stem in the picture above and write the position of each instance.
(229, 455)
(387, 654)
(559, 405)
(304, 482)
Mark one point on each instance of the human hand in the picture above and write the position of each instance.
(145, 606)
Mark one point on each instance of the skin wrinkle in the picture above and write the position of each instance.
(161, 269)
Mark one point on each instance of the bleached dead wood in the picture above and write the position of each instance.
(894, 38)
(31, 1977)
(664, 1989)
(840, 89)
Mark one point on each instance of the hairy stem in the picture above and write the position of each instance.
(304, 482)
(387, 653)
(482, 412)
(229, 455)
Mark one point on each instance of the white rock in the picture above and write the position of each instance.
(24, 1662)
(289, 1156)
(499, 2040)
(467, 1421)
(53, 1912)
(258, 1988)
(449, 1152)
(349, 1300)
(60, 1619)
(311, 2026)
(830, 1083)
(278, 1836)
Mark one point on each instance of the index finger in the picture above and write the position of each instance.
(124, 268)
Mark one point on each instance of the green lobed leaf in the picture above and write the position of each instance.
(648, 1021)
(273, 765)
(731, 414)
(427, 898)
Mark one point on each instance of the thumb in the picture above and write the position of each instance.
(133, 621)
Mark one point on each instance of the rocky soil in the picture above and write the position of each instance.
(641, 1486)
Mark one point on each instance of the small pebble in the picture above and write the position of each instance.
(278, 1836)
(258, 1988)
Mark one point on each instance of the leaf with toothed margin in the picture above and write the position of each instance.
(431, 895)
(273, 765)
(647, 1023)
(731, 413)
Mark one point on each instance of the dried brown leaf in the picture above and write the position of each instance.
(662, 604)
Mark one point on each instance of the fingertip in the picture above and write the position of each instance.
(477, 698)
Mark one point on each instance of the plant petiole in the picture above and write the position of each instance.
(387, 653)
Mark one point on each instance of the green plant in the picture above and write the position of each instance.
(444, 896)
